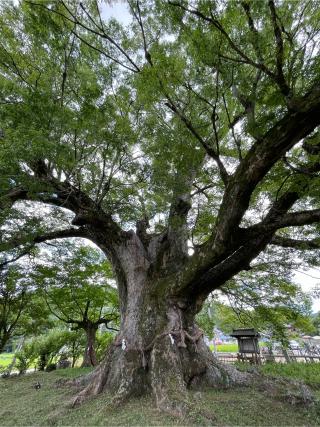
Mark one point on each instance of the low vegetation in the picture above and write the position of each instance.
(5, 359)
(23, 404)
(227, 348)
(306, 372)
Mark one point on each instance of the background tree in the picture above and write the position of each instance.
(77, 292)
(272, 322)
(316, 322)
(22, 312)
(197, 123)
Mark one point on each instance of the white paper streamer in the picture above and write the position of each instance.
(171, 338)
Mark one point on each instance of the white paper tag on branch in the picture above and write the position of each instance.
(123, 345)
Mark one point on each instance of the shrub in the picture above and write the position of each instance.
(44, 349)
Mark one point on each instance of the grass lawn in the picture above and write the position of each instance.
(307, 372)
(21, 405)
(5, 359)
(227, 348)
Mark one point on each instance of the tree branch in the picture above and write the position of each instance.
(216, 24)
(259, 160)
(58, 234)
(303, 245)
(298, 219)
(279, 53)
(246, 7)
(8, 198)
(16, 257)
(209, 150)
(101, 33)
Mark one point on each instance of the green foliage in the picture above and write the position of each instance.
(101, 115)
(43, 350)
(103, 341)
(266, 298)
(316, 322)
(22, 311)
(79, 288)
(5, 361)
(266, 302)
(215, 314)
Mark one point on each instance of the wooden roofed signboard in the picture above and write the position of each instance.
(248, 344)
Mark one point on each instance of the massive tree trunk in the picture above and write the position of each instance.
(159, 348)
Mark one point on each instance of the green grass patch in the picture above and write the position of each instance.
(307, 372)
(228, 348)
(21, 404)
(5, 359)
(225, 348)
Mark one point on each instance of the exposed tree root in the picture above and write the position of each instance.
(94, 382)
(291, 391)
(168, 370)
(78, 382)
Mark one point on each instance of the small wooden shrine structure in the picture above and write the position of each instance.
(248, 344)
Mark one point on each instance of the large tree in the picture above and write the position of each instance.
(195, 126)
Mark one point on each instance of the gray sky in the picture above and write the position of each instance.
(118, 10)
(308, 280)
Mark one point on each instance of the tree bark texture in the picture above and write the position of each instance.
(3, 341)
(89, 357)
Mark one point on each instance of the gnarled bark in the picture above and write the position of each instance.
(159, 350)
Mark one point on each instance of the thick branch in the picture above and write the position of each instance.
(66, 195)
(58, 234)
(180, 205)
(303, 245)
(259, 160)
(298, 219)
(200, 277)
(207, 280)
(8, 198)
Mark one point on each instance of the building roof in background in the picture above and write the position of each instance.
(247, 332)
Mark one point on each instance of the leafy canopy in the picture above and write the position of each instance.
(122, 119)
